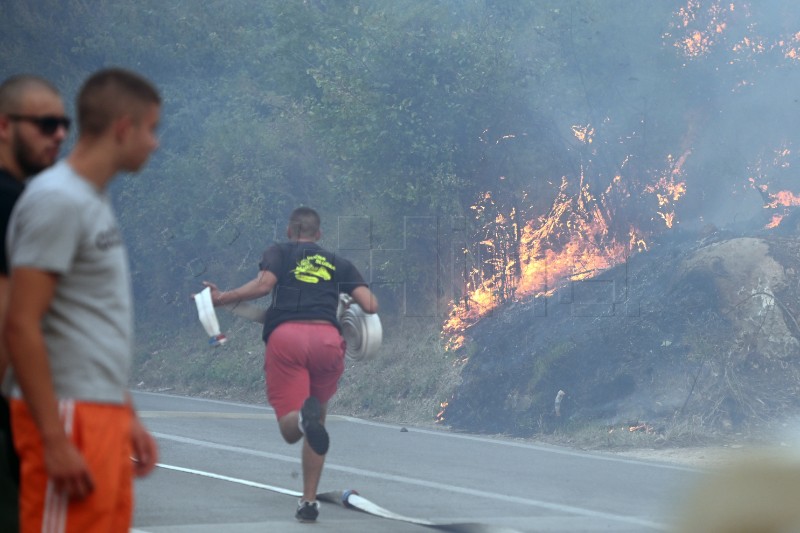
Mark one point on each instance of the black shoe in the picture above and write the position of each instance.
(315, 432)
(307, 511)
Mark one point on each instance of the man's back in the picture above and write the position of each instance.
(309, 281)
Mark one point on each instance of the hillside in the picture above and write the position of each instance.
(693, 339)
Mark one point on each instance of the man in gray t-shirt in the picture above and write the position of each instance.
(69, 337)
(64, 225)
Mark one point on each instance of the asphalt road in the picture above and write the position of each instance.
(224, 468)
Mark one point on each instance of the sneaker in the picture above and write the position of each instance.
(315, 432)
(307, 511)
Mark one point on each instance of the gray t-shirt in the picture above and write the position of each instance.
(64, 225)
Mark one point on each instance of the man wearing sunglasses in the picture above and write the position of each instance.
(32, 128)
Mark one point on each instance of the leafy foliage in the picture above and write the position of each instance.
(397, 111)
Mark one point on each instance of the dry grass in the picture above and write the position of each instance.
(406, 383)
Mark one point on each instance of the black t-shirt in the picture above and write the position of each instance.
(10, 190)
(310, 280)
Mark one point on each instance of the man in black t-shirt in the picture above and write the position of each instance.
(32, 128)
(304, 347)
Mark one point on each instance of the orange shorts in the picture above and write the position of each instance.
(102, 433)
(302, 359)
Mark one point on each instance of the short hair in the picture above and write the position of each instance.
(304, 223)
(14, 88)
(109, 94)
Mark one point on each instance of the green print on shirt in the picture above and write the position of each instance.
(313, 269)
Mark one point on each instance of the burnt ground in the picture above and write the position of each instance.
(697, 336)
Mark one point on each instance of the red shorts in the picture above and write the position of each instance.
(102, 433)
(302, 359)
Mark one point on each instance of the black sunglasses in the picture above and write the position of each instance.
(47, 124)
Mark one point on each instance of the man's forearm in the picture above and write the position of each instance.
(260, 286)
(32, 373)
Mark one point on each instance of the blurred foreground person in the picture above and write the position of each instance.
(758, 493)
(70, 335)
(32, 127)
(304, 347)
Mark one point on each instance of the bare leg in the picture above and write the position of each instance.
(312, 465)
(312, 472)
(289, 426)
(312, 462)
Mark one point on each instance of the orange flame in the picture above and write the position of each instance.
(700, 28)
(699, 41)
(440, 415)
(783, 198)
(571, 243)
(778, 199)
(668, 190)
(763, 171)
(585, 134)
(516, 259)
(775, 222)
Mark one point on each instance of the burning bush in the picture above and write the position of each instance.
(697, 330)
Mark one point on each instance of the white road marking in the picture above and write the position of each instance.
(273, 488)
(450, 435)
(401, 479)
(203, 414)
(527, 446)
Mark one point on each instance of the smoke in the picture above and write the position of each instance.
(745, 110)
(714, 80)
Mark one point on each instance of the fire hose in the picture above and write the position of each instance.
(351, 499)
(205, 311)
(362, 332)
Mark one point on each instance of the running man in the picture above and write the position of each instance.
(304, 347)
